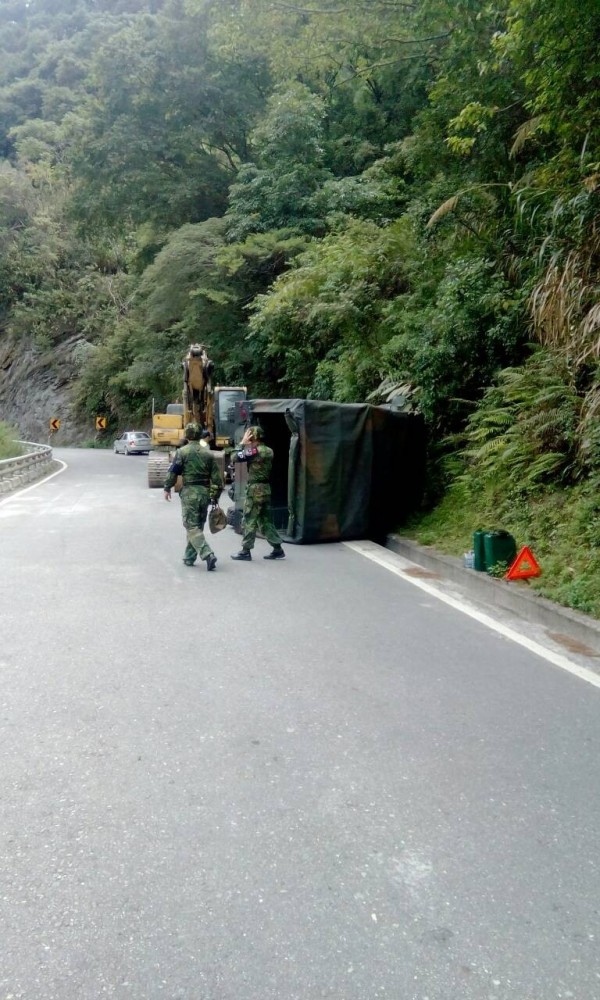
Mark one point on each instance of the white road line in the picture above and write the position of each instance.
(396, 564)
(19, 493)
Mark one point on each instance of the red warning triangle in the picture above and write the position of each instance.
(524, 566)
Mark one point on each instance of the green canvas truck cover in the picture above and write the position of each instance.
(341, 470)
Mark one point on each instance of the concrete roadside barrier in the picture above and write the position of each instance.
(33, 464)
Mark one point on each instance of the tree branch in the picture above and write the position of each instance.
(378, 65)
(338, 10)
(419, 41)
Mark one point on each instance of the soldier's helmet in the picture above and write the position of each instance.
(257, 432)
(192, 432)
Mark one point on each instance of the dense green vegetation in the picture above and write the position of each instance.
(342, 200)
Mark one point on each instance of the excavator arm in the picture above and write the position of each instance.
(197, 387)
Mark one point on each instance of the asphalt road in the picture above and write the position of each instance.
(277, 781)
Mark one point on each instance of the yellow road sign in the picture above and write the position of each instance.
(54, 424)
(100, 423)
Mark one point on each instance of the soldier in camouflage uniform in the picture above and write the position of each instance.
(202, 485)
(257, 503)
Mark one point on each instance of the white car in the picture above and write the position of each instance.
(133, 443)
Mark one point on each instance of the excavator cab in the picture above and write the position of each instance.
(225, 422)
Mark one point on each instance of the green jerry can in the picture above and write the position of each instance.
(479, 551)
(499, 547)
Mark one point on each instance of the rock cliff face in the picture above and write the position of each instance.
(36, 387)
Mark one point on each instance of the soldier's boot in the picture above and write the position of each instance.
(275, 553)
(211, 562)
(189, 562)
(243, 556)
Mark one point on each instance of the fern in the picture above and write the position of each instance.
(525, 429)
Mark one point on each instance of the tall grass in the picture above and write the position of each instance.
(8, 444)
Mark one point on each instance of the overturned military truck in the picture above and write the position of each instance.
(341, 470)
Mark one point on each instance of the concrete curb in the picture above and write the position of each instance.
(488, 591)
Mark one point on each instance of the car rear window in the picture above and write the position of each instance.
(142, 435)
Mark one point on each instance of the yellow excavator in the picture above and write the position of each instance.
(213, 407)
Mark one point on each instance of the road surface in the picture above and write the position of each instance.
(278, 781)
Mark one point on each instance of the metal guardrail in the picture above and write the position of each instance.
(17, 472)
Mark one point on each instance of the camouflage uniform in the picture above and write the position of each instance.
(201, 485)
(257, 503)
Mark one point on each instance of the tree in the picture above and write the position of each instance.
(164, 129)
(284, 188)
(323, 319)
